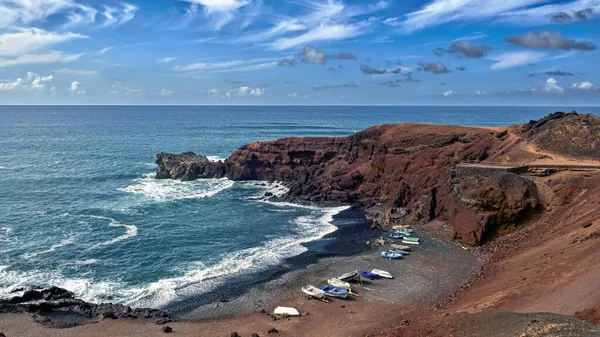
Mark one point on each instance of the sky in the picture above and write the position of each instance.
(300, 52)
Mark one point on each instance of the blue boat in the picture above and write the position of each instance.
(391, 255)
(397, 235)
(368, 275)
(332, 291)
(399, 251)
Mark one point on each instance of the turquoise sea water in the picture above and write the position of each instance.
(80, 209)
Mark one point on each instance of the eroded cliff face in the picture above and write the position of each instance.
(397, 173)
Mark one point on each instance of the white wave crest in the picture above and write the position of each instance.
(131, 230)
(199, 279)
(53, 248)
(215, 158)
(86, 289)
(82, 262)
(6, 230)
(169, 190)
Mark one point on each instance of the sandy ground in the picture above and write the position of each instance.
(384, 304)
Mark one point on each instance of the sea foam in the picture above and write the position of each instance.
(131, 230)
(200, 279)
(170, 190)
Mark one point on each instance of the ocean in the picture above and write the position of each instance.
(80, 208)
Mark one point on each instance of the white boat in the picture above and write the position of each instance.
(313, 292)
(353, 275)
(401, 247)
(382, 273)
(410, 242)
(339, 283)
(286, 311)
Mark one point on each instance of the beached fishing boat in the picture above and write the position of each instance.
(404, 230)
(411, 238)
(382, 273)
(410, 242)
(396, 235)
(399, 251)
(368, 275)
(390, 255)
(313, 292)
(400, 226)
(353, 275)
(286, 311)
(339, 283)
(401, 247)
(332, 291)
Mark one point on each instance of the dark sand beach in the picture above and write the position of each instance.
(432, 269)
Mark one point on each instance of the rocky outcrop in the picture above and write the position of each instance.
(401, 172)
(187, 166)
(567, 134)
(492, 205)
(45, 303)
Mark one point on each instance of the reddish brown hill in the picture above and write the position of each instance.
(406, 172)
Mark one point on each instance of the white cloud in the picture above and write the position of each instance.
(243, 91)
(316, 20)
(167, 59)
(248, 91)
(27, 11)
(480, 93)
(31, 82)
(323, 32)
(27, 40)
(76, 88)
(50, 58)
(293, 95)
(551, 86)
(116, 16)
(584, 86)
(105, 50)
(70, 13)
(543, 14)
(448, 93)
(76, 72)
(516, 59)
(444, 11)
(285, 26)
(166, 92)
(221, 12)
(80, 16)
(235, 65)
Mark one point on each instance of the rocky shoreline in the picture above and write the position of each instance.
(405, 173)
(398, 174)
(55, 307)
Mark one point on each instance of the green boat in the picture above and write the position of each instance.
(410, 238)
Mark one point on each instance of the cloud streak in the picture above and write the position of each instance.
(549, 40)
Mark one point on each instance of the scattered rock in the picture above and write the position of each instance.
(167, 329)
(263, 311)
(235, 334)
(273, 330)
(163, 321)
(589, 224)
(255, 335)
(2, 335)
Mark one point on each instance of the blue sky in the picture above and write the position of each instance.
(534, 52)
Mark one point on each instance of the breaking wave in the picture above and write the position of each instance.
(200, 279)
(170, 190)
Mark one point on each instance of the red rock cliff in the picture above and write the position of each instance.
(402, 172)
